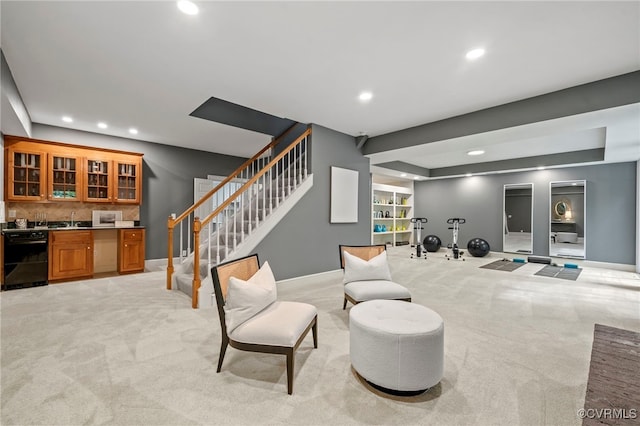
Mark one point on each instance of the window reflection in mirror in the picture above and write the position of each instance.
(517, 219)
(567, 219)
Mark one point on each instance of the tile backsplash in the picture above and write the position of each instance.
(62, 211)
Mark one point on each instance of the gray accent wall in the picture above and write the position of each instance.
(167, 177)
(305, 242)
(610, 212)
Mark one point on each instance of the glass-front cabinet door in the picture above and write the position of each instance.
(26, 175)
(64, 178)
(99, 188)
(128, 181)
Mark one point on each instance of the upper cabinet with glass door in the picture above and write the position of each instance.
(65, 177)
(39, 170)
(128, 178)
(99, 175)
(25, 179)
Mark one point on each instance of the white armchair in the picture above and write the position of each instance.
(252, 319)
(367, 275)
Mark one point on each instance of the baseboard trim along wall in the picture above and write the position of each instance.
(313, 278)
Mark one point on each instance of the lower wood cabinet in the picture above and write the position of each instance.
(130, 250)
(70, 255)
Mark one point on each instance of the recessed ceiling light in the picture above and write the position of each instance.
(188, 7)
(365, 96)
(468, 175)
(133, 131)
(476, 152)
(574, 184)
(403, 175)
(416, 177)
(67, 119)
(540, 167)
(475, 54)
(102, 125)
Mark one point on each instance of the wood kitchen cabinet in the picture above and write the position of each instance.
(113, 179)
(25, 174)
(128, 174)
(65, 177)
(99, 176)
(130, 250)
(52, 171)
(70, 255)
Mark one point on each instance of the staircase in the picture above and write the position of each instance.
(271, 184)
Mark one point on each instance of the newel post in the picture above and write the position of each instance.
(197, 226)
(170, 225)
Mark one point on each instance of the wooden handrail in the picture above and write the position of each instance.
(198, 224)
(172, 222)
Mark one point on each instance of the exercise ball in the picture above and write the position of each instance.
(431, 243)
(478, 247)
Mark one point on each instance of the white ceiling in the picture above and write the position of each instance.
(145, 64)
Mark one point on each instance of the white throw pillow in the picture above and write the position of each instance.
(356, 269)
(247, 298)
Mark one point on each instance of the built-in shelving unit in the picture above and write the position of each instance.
(392, 209)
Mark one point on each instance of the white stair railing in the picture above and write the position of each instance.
(244, 210)
(237, 216)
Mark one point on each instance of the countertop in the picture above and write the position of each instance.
(68, 228)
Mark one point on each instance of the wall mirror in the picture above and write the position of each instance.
(567, 208)
(518, 218)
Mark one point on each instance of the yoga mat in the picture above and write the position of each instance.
(559, 272)
(503, 265)
(613, 387)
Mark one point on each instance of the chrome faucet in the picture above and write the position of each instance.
(73, 214)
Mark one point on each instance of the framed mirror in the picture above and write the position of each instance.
(567, 219)
(517, 218)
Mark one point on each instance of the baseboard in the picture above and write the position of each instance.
(312, 278)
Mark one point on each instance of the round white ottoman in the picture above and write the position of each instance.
(397, 345)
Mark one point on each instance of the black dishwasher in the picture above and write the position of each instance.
(25, 259)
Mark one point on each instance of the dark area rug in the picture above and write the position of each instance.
(503, 265)
(559, 272)
(613, 389)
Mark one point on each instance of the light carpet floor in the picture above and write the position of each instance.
(126, 351)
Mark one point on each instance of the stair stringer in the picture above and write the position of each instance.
(205, 292)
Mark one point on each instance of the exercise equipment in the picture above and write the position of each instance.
(539, 259)
(417, 226)
(455, 223)
(432, 243)
(478, 247)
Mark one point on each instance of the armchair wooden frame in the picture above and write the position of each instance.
(364, 253)
(244, 268)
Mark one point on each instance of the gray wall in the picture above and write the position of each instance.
(305, 242)
(167, 177)
(610, 216)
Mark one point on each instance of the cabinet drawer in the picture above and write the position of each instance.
(70, 237)
(132, 234)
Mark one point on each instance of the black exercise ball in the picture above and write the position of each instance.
(478, 247)
(431, 243)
